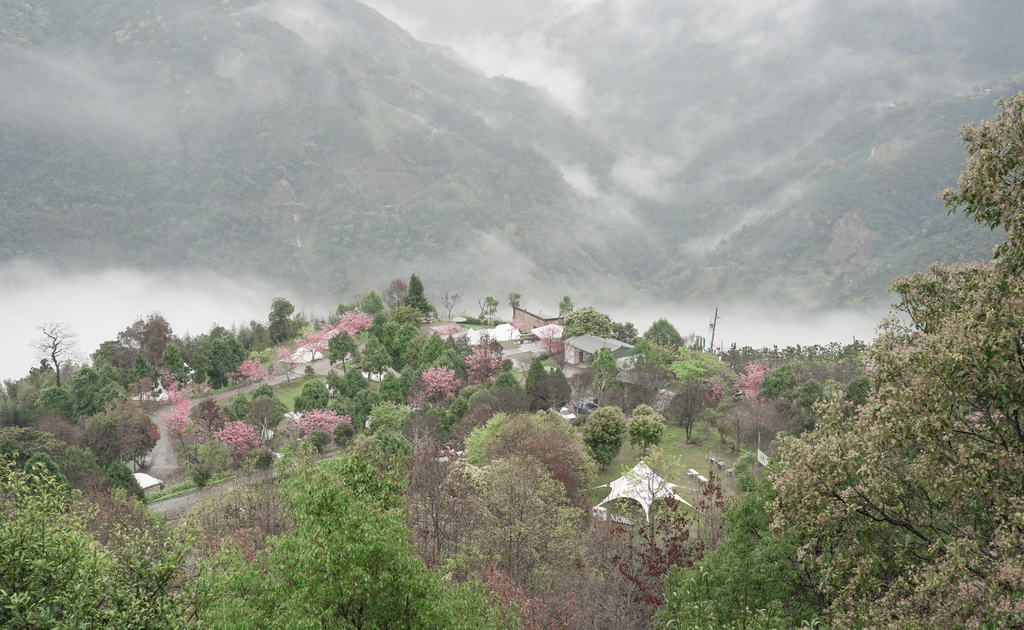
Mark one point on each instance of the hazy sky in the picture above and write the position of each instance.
(98, 306)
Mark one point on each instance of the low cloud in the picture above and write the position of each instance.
(100, 305)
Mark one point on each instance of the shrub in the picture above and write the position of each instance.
(343, 432)
(201, 475)
(319, 440)
(260, 459)
(118, 476)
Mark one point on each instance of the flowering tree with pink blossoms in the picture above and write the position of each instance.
(484, 361)
(179, 422)
(315, 342)
(436, 384)
(321, 420)
(295, 426)
(286, 361)
(353, 322)
(451, 329)
(239, 436)
(249, 372)
(751, 379)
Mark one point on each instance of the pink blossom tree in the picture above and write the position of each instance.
(239, 436)
(286, 361)
(179, 422)
(450, 329)
(249, 372)
(484, 361)
(353, 322)
(436, 384)
(321, 420)
(751, 379)
(315, 342)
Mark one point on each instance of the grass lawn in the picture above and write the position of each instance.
(288, 392)
(681, 457)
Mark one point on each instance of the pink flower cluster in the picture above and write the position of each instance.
(437, 383)
(178, 423)
(450, 329)
(239, 436)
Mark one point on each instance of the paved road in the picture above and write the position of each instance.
(175, 508)
(163, 461)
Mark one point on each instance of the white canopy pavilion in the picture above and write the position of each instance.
(643, 485)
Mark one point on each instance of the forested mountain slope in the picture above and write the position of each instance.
(316, 144)
(726, 152)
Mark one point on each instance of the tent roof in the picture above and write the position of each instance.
(643, 485)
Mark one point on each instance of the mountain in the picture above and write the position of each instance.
(317, 144)
(785, 153)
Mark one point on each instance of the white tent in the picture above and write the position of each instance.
(146, 481)
(643, 485)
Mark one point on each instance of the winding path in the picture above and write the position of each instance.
(164, 460)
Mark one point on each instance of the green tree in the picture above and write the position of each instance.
(346, 563)
(664, 333)
(489, 308)
(646, 428)
(314, 395)
(604, 434)
(339, 347)
(779, 383)
(625, 332)
(587, 321)
(281, 328)
(376, 357)
(750, 580)
(371, 303)
(40, 465)
(55, 574)
(118, 476)
(565, 306)
(415, 298)
(535, 374)
(174, 364)
(388, 416)
(514, 299)
(603, 369)
(916, 493)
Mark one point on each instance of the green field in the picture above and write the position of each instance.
(677, 457)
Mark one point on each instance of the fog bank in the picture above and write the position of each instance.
(100, 305)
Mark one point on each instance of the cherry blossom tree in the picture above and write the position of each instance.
(751, 379)
(249, 372)
(484, 361)
(445, 331)
(437, 383)
(178, 422)
(239, 436)
(315, 342)
(321, 420)
(286, 360)
(353, 322)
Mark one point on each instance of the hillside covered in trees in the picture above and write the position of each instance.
(321, 146)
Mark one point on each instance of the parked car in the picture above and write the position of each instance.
(587, 405)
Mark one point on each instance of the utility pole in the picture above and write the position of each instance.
(714, 324)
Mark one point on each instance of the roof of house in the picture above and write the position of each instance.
(591, 344)
(645, 379)
(538, 314)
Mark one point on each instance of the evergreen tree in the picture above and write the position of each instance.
(415, 298)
